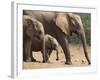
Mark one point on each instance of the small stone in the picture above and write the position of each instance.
(72, 55)
(83, 61)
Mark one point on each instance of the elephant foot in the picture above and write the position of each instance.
(33, 60)
(28, 59)
(57, 59)
(89, 63)
(44, 61)
(68, 62)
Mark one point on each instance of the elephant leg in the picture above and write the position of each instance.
(24, 56)
(64, 44)
(83, 39)
(27, 46)
(44, 55)
(57, 54)
(48, 54)
(44, 51)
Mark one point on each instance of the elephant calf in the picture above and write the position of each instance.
(50, 45)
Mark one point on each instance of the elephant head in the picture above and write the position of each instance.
(33, 28)
(71, 23)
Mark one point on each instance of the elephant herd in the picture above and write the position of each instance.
(44, 31)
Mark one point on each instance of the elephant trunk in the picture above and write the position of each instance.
(83, 39)
(44, 51)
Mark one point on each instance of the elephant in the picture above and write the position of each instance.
(61, 25)
(50, 45)
(32, 29)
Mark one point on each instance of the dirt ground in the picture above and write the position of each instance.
(77, 57)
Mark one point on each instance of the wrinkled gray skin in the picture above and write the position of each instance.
(61, 26)
(32, 29)
(50, 44)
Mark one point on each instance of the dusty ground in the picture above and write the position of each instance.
(77, 57)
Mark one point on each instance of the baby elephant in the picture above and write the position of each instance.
(50, 44)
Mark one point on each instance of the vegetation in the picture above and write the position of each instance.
(86, 20)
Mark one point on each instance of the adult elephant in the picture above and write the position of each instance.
(61, 25)
(32, 30)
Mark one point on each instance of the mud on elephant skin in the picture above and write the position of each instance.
(61, 25)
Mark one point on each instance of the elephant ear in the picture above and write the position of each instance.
(28, 26)
(62, 22)
(71, 18)
(75, 20)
